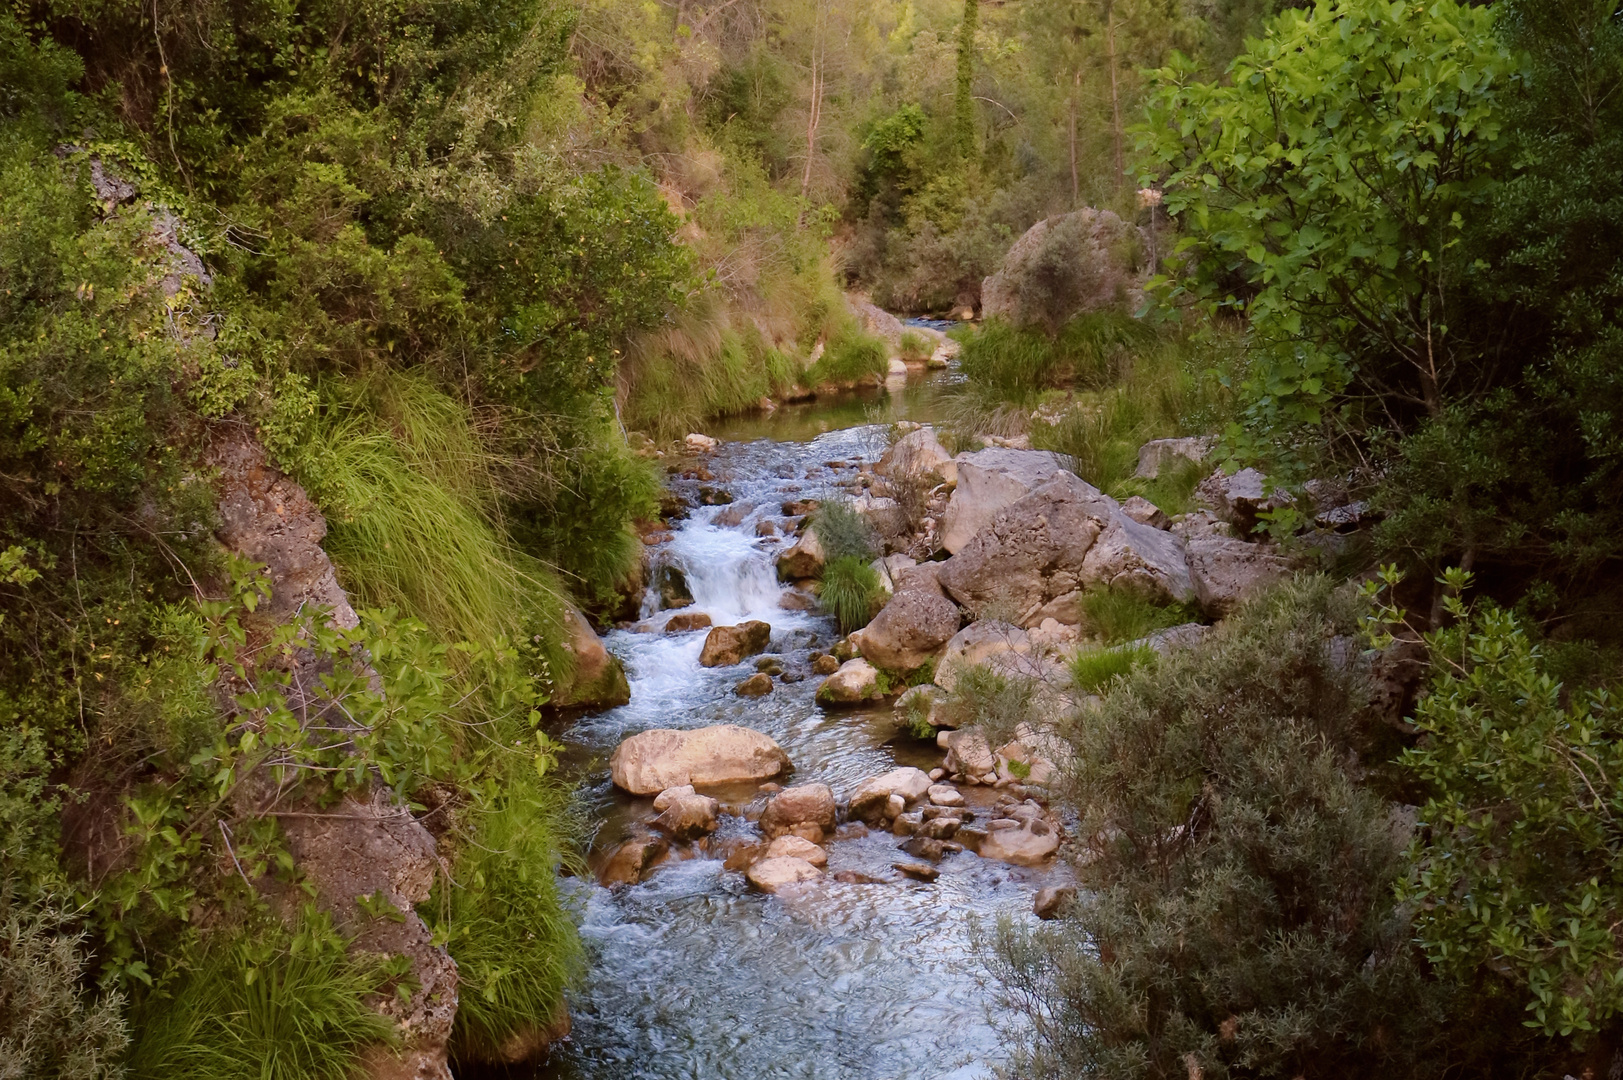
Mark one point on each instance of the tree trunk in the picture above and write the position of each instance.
(964, 103)
(814, 117)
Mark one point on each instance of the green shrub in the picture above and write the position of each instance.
(915, 346)
(994, 701)
(1016, 363)
(263, 1003)
(1116, 615)
(1241, 920)
(1093, 670)
(1514, 872)
(849, 356)
(850, 591)
(844, 532)
(504, 923)
(51, 1024)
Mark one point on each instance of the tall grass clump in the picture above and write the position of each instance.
(844, 532)
(1241, 861)
(411, 496)
(850, 355)
(915, 346)
(504, 922)
(263, 1003)
(1016, 363)
(1117, 615)
(1093, 670)
(849, 590)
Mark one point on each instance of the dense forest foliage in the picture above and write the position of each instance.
(444, 262)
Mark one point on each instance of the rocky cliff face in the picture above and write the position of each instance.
(361, 847)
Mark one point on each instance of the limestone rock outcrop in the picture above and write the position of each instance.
(650, 762)
(989, 480)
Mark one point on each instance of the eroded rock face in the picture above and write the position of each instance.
(855, 682)
(918, 454)
(801, 809)
(650, 762)
(988, 481)
(728, 645)
(909, 630)
(1225, 572)
(1061, 538)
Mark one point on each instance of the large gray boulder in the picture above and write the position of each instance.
(1240, 499)
(651, 762)
(911, 629)
(1159, 454)
(989, 480)
(918, 454)
(979, 643)
(1086, 260)
(1063, 538)
(1226, 571)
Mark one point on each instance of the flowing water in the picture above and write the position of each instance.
(692, 974)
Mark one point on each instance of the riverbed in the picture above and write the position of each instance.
(692, 974)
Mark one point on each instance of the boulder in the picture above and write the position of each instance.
(685, 814)
(650, 762)
(797, 847)
(800, 810)
(967, 752)
(918, 454)
(978, 643)
(1020, 762)
(804, 559)
(599, 679)
(673, 588)
(1225, 572)
(700, 444)
(1240, 498)
(1145, 512)
(1029, 844)
(824, 664)
(757, 685)
(883, 514)
(632, 859)
(910, 630)
(1051, 901)
(1063, 537)
(1158, 454)
(1086, 260)
(876, 320)
(770, 875)
(989, 480)
(855, 682)
(871, 801)
(926, 702)
(684, 621)
(918, 871)
(728, 645)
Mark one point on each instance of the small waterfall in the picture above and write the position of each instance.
(729, 576)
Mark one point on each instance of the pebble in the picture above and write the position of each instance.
(936, 774)
(945, 795)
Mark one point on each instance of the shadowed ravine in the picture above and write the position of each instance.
(692, 974)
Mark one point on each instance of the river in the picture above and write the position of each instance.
(692, 975)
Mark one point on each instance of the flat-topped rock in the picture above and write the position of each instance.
(797, 847)
(872, 798)
(989, 480)
(806, 810)
(650, 762)
(770, 875)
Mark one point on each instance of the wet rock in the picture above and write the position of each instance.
(1029, 843)
(799, 507)
(766, 528)
(632, 859)
(1051, 901)
(797, 847)
(1062, 537)
(1145, 512)
(907, 824)
(673, 588)
(925, 847)
(871, 800)
(945, 795)
(682, 622)
(728, 645)
(987, 482)
(771, 665)
(757, 685)
(1158, 454)
(918, 455)
(855, 877)
(804, 806)
(770, 875)
(700, 443)
(972, 837)
(599, 680)
(910, 630)
(802, 560)
(714, 496)
(824, 664)
(685, 814)
(941, 828)
(1225, 572)
(855, 682)
(795, 600)
(652, 761)
(734, 515)
(918, 871)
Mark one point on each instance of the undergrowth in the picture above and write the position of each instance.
(849, 356)
(51, 1023)
(1015, 364)
(263, 1003)
(1120, 615)
(1093, 670)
